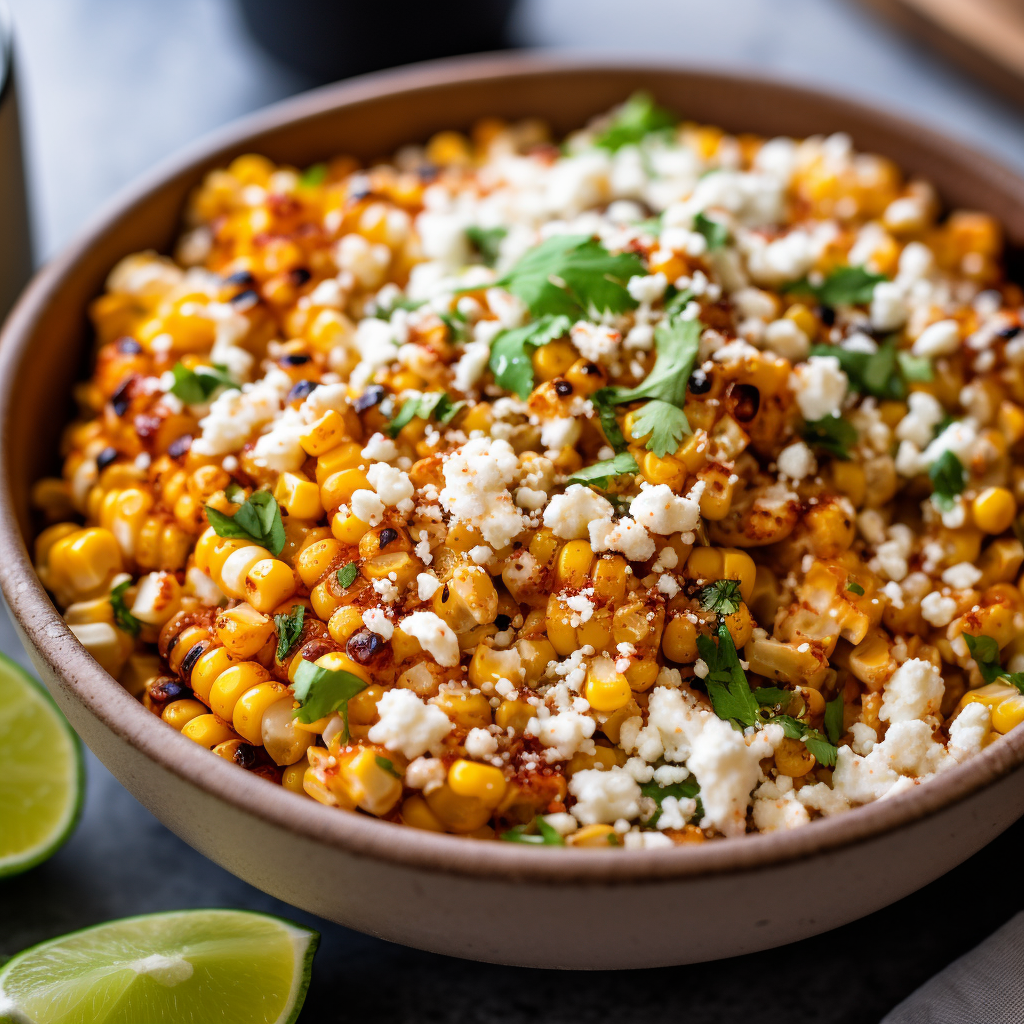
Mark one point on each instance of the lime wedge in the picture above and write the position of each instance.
(40, 772)
(183, 967)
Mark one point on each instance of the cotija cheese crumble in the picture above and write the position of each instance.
(651, 488)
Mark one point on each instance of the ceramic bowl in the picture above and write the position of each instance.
(502, 902)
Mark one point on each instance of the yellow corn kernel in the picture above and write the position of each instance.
(991, 694)
(336, 661)
(871, 660)
(232, 683)
(585, 377)
(400, 567)
(560, 632)
(572, 567)
(233, 572)
(606, 689)
(1011, 421)
(668, 470)
(679, 640)
(345, 621)
(188, 638)
(803, 318)
(465, 709)
(138, 671)
(269, 583)
(490, 665)
(46, 540)
(338, 488)
(594, 835)
(553, 359)
(514, 714)
(279, 732)
(293, 775)
(994, 509)
(179, 713)
(84, 562)
(243, 630)
(417, 813)
(348, 528)
(792, 758)
(206, 670)
(716, 500)
(534, 656)
(596, 631)
(477, 781)
(609, 579)
(642, 674)
(457, 813)
(207, 731)
(370, 784)
(325, 434)
(1000, 561)
(710, 564)
(849, 478)
(313, 561)
(298, 496)
(467, 600)
(247, 717)
(693, 452)
(740, 625)
(1008, 714)
(345, 456)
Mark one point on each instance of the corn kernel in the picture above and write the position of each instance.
(269, 583)
(482, 782)
(298, 496)
(994, 509)
(606, 689)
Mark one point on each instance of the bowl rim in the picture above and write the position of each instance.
(360, 835)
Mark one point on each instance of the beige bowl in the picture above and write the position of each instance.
(490, 901)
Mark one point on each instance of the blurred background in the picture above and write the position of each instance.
(109, 87)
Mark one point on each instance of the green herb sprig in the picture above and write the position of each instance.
(322, 691)
(123, 618)
(258, 519)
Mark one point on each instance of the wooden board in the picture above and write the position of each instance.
(985, 36)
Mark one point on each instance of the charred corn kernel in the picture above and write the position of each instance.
(594, 835)
(481, 782)
(345, 621)
(206, 670)
(229, 686)
(514, 714)
(298, 496)
(586, 377)
(994, 509)
(667, 470)
(400, 567)
(606, 689)
(348, 528)
(740, 625)
(188, 639)
(293, 775)
(247, 717)
(229, 749)
(457, 813)
(416, 812)
(1008, 714)
(326, 433)
(268, 583)
(235, 569)
(383, 540)
(83, 562)
(573, 565)
(716, 499)
(313, 562)
(679, 640)
(207, 731)
(347, 455)
(792, 758)
(179, 713)
(243, 630)
(467, 600)
(553, 359)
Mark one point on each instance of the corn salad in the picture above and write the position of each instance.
(651, 488)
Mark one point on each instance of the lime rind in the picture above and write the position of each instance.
(302, 942)
(23, 860)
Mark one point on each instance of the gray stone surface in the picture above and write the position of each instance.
(111, 86)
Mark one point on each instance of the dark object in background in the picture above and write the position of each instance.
(332, 39)
(16, 250)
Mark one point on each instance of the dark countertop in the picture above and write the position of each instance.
(147, 78)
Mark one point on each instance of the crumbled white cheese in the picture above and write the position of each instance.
(820, 387)
(479, 743)
(969, 730)
(435, 637)
(603, 797)
(564, 733)
(660, 510)
(409, 725)
(367, 506)
(962, 576)
(392, 485)
(797, 461)
(914, 690)
(625, 536)
(568, 515)
(938, 610)
(377, 622)
(427, 584)
(380, 449)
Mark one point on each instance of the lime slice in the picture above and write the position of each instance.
(183, 967)
(40, 772)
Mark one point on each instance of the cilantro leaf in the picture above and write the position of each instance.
(855, 588)
(458, 327)
(511, 352)
(915, 367)
(662, 417)
(832, 435)
(487, 242)
(877, 373)
(824, 752)
(844, 286)
(685, 790)
(834, 720)
(715, 233)
(322, 691)
(194, 387)
(985, 651)
(122, 616)
(721, 597)
(948, 479)
(258, 519)
(434, 404)
(600, 473)
(726, 682)
(604, 405)
(234, 493)
(313, 175)
(572, 275)
(347, 575)
(386, 764)
(546, 835)
(676, 301)
(399, 302)
(637, 118)
(772, 696)
(289, 628)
